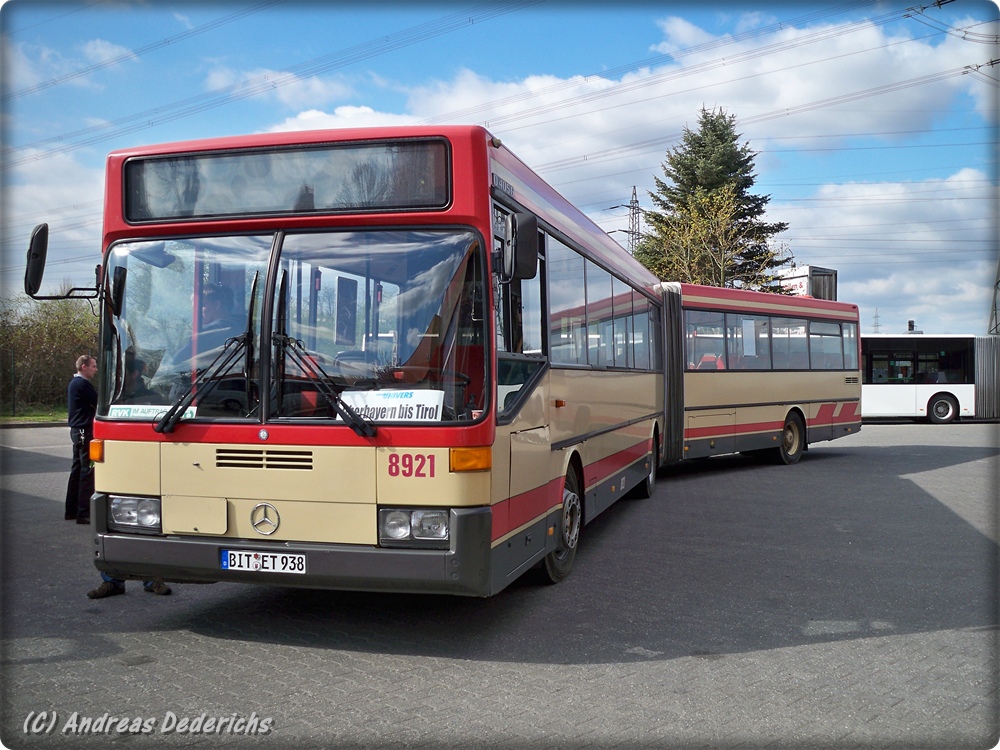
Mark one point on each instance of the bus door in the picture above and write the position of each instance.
(523, 457)
(889, 371)
(710, 423)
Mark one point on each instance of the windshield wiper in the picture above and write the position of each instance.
(296, 350)
(232, 349)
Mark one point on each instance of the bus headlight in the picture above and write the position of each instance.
(429, 524)
(127, 513)
(404, 527)
(395, 524)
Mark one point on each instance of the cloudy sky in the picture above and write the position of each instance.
(874, 122)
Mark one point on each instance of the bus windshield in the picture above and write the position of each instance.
(389, 323)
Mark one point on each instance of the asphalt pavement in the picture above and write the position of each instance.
(849, 601)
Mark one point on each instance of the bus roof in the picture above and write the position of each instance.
(718, 298)
(302, 137)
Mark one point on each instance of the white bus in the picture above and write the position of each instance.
(939, 378)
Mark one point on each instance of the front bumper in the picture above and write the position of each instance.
(462, 570)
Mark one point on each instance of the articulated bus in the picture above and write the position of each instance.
(938, 378)
(761, 372)
(397, 360)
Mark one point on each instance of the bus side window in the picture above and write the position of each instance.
(519, 317)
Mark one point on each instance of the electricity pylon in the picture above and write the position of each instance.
(634, 214)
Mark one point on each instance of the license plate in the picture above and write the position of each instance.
(262, 562)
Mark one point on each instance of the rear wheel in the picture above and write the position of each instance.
(793, 440)
(558, 563)
(942, 409)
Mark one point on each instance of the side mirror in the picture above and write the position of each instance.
(519, 257)
(38, 248)
(118, 290)
(525, 246)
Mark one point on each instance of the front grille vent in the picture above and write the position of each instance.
(255, 458)
(851, 381)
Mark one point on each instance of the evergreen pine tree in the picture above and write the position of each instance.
(708, 226)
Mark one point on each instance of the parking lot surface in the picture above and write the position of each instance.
(849, 601)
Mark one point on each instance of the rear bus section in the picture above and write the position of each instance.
(765, 373)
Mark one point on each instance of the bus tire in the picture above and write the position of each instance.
(557, 564)
(942, 409)
(644, 489)
(793, 440)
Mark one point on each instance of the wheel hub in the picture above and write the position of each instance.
(571, 519)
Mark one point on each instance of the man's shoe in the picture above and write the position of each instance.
(84, 519)
(70, 518)
(158, 587)
(108, 588)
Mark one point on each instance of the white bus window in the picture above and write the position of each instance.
(600, 325)
(789, 346)
(748, 342)
(567, 304)
(705, 346)
(850, 346)
(531, 314)
(622, 296)
(825, 346)
(640, 331)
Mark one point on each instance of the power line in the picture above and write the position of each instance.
(741, 79)
(649, 62)
(262, 83)
(659, 142)
(84, 6)
(667, 76)
(132, 54)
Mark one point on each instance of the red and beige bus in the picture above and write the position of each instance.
(397, 360)
(762, 372)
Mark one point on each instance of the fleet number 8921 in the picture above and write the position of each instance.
(411, 465)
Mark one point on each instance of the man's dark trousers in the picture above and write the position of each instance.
(81, 477)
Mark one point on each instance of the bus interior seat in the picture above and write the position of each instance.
(708, 362)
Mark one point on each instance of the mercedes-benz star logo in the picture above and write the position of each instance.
(265, 518)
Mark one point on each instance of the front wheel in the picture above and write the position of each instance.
(558, 563)
(942, 409)
(793, 440)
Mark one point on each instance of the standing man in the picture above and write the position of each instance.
(82, 408)
(82, 400)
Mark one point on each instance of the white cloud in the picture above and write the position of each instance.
(27, 65)
(922, 251)
(594, 138)
(21, 70)
(67, 196)
(342, 117)
(290, 90)
(101, 51)
(680, 34)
